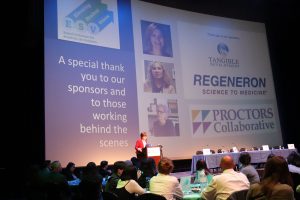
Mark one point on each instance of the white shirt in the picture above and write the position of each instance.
(144, 143)
(224, 184)
(294, 169)
(165, 185)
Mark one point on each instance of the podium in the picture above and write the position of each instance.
(154, 152)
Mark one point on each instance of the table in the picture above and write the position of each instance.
(213, 160)
(190, 195)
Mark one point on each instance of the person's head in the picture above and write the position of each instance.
(158, 72)
(200, 165)
(129, 173)
(46, 164)
(70, 167)
(227, 163)
(155, 39)
(294, 159)
(271, 155)
(119, 167)
(276, 171)
(91, 168)
(56, 166)
(148, 166)
(144, 135)
(165, 166)
(245, 158)
(162, 113)
(104, 164)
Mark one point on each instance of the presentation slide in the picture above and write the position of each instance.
(115, 68)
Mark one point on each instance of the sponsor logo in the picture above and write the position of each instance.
(231, 120)
(223, 60)
(199, 118)
(91, 16)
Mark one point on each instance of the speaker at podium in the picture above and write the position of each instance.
(154, 152)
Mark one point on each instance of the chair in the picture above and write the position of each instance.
(212, 151)
(109, 196)
(255, 148)
(220, 151)
(238, 195)
(150, 196)
(276, 147)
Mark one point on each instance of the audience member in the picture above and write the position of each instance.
(148, 170)
(69, 172)
(276, 182)
(293, 161)
(226, 183)
(127, 186)
(112, 182)
(56, 184)
(104, 172)
(91, 182)
(248, 169)
(202, 172)
(165, 184)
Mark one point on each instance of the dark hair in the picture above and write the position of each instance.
(119, 165)
(129, 172)
(165, 166)
(69, 166)
(200, 165)
(294, 159)
(103, 163)
(148, 166)
(245, 158)
(276, 171)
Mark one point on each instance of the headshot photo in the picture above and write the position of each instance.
(163, 119)
(156, 39)
(159, 77)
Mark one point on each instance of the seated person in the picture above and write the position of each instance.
(248, 169)
(148, 170)
(112, 182)
(69, 172)
(104, 172)
(164, 184)
(203, 174)
(293, 161)
(127, 186)
(226, 183)
(276, 182)
(91, 182)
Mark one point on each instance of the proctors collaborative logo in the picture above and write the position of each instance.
(222, 49)
(91, 16)
(232, 119)
(200, 120)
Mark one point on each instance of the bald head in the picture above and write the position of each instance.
(227, 163)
